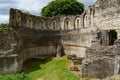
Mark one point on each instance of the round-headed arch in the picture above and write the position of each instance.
(77, 23)
(54, 24)
(30, 22)
(42, 24)
(18, 18)
(85, 18)
(67, 23)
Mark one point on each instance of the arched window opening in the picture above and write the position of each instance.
(77, 23)
(85, 21)
(30, 23)
(42, 24)
(91, 15)
(66, 24)
(54, 25)
(18, 19)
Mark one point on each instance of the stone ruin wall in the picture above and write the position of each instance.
(10, 42)
(18, 18)
(107, 15)
(68, 29)
(72, 34)
(103, 16)
(103, 61)
(42, 36)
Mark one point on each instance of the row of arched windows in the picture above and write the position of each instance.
(54, 23)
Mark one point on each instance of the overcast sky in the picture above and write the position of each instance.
(33, 6)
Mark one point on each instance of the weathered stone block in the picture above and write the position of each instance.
(74, 68)
(9, 64)
(99, 68)
(71, 57)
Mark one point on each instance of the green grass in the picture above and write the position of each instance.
(52, 69)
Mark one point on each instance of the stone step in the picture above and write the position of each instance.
(77, 62)
(71, 57)
(74, 68)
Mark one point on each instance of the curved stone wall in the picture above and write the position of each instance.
(72, 34)
(19, 19)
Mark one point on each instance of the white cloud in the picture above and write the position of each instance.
(4, 18)
(33, 6)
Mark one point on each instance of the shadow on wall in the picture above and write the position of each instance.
(34, 64)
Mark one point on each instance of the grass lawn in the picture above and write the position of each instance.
(52, 69)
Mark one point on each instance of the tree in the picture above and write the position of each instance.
(62, 7)
(2, 25)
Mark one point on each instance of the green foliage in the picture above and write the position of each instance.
(115, 78)
(62, 7)
(21, 76)
(2, 25)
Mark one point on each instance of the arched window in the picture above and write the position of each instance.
(77, 23)
(54, 24)
(42, 24)
(66, 23)
(85, 21)
(30, 23)
(18, 18)
(91, 15)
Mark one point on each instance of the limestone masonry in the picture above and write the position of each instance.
(93, 37)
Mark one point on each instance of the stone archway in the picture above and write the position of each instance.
(42, 24)
(30, 22)
(54, 24)
(67, 23)
(18, 18)
(77, 23)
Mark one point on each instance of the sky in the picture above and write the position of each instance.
(33, 6)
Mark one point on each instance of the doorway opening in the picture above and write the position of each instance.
(112, 36)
